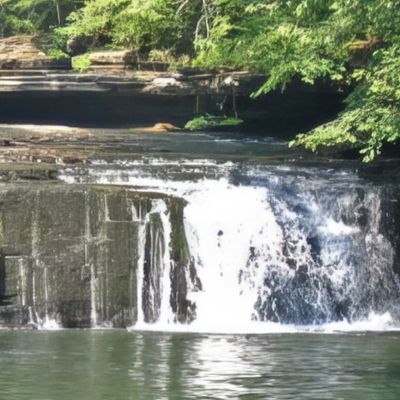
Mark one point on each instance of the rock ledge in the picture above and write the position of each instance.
(21, 52)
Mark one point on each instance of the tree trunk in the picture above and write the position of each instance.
(57, 4)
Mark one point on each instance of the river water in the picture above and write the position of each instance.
(257, 272)
(115, 364)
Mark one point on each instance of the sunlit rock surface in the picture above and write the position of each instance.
(21, 52)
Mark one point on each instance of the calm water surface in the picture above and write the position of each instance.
(121, 365)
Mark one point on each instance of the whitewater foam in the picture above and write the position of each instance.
(49, 324)
(373, 323)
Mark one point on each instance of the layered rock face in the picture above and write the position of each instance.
(117, 91)
(21, 52)
(117, 57)
(70, 255)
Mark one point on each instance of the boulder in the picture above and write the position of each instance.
(161, 127)
(118, 57)
(21, 52)
(78, 45)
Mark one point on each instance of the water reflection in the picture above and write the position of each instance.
(120, 365)
(231, 365)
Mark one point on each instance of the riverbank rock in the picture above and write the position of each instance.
(78, 45)
(21, 52)
(161, 127)
(118, 57)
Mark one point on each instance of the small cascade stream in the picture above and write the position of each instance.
(89, 264)
(153, 278)
(39, 314)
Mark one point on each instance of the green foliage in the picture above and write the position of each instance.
(57, 54)
(372, 116)
(12, 21)
(285, 39)
(146, 24)
(167, 56)
(33, 16)
(81, 63)
(207, 122)
(354, 43)
(141, 24)
(53, 44)
(95, 18)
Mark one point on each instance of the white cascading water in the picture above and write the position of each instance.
(160, 263)
(222, 223)
(281, 256)
(89, 265)
(47, 321)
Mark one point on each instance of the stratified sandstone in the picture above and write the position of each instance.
(21, 52)
(117, 57)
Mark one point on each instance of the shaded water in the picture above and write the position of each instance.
(120, 365)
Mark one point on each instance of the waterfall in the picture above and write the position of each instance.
(153, 275)
(292, 259)
(89, 264)
(39, 314)
(237, 220)
(259, 248)
(278, 250)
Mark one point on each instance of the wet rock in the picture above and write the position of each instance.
(57, 238)
(153, 269)
(71, 160)
(390, 221)
(13, 317)
(26, 171)
(184, 309)
(315, 245)
(71, 254)
(6, 143)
